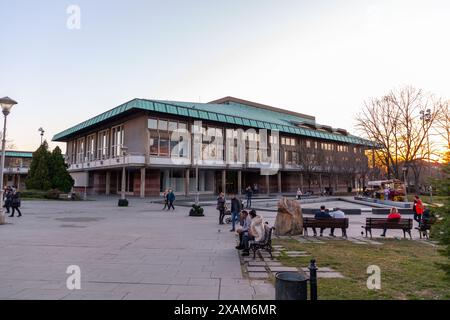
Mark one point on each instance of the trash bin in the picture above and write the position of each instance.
(291, 286)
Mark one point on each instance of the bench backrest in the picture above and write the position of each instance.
(386, 211)
(389, 223)
(327, 223)
(346, 211)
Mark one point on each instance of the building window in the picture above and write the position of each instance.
(90, 145)
(116, 141)
(165, 141)
(103, 145)
(80, 150)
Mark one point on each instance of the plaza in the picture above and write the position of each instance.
(139, 252)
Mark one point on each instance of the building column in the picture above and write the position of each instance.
(268, 184)
(320, 183)
(142, 183)
(239, 177)
(18, 181)
(186, 182)
(224, 181)
(301, 182)
(108, 183)
(279, 181)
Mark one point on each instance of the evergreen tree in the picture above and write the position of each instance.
(38, 175)
(59, 177)
(442, 228)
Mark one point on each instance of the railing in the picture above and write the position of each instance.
(129, 159)
(15, 170)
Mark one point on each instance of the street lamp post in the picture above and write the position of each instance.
(42, 134)
(6, 103)
(426, 117)
(405, 169)
(124, 153)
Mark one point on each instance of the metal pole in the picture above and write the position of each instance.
(313, 279)
(2, 168)
(197, 195)
(430, 166)
(123, 183)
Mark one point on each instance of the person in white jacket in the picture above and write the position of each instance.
(256, 232)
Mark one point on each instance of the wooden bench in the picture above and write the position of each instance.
(346, 211)
(386, 211)
(265, 244)
(383, 223)
(339, 223)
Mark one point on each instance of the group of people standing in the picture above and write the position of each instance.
(11, 200)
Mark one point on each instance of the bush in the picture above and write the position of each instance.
(196, 211)
(33, 194)
(52, 194)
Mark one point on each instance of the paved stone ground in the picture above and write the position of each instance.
(138, 252)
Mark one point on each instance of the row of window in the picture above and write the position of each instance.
(98, 146)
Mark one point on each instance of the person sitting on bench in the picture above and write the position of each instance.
(336, 214)
(255, 232)
(245, 226)
(393, 215)
(322, 214)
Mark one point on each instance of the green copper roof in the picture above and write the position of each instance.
(19, 154)
(238, 114)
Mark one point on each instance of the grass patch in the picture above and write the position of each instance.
(408, 269)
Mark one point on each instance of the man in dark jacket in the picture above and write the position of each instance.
(249, 194)
(8, 198)
(15, 204)
(171, 199)
(235, 210)
(321, 214)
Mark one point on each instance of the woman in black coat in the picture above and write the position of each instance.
(15, 204)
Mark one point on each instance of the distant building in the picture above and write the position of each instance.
(229, 144)
(17, 164)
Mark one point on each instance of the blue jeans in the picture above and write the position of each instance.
(234, 217)
(249, 202)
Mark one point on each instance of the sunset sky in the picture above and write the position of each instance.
(322, 58)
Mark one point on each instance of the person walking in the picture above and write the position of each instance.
(15, 204)
(299, 193)
(249, 194)
(7, 198)
(221, 206)
(235, 210)
(166, 201)
(171, 199)
(418, 209)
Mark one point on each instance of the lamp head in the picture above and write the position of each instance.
(7, 103)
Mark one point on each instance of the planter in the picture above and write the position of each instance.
(123, 203)
(196, 211)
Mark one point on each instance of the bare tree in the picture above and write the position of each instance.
(443, 124)
(393, 122)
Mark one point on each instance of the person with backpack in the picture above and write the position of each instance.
(7, 198)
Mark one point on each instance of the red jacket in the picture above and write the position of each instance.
(394, 216)
(419, 207)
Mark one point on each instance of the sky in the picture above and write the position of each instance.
(322, 58)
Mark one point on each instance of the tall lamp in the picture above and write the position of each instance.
(6, 103)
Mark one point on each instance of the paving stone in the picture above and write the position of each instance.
(282, 269)
(273, 263)
(256, 269)
(294, 252)
(258, 275)
(256, 263)
(329, 275)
